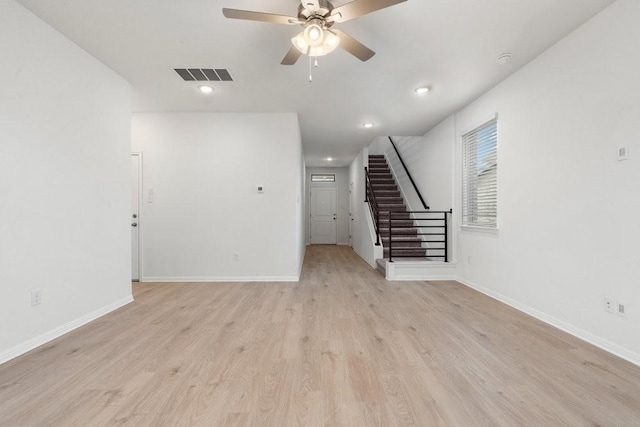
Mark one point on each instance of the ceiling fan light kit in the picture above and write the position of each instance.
(324, 44)
(316, 17)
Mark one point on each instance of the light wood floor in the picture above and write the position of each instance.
(342, 347)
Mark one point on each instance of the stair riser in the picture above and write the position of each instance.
(417, 254)
(384, 217)
(405, 248)
(389, 200)
(398, 211)
(401, 233)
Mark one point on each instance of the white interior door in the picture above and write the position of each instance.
(323, 216)
(135, 217)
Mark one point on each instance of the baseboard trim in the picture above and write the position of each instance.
(420, 270)
(29, 345)
(421, 278)
(603, 344)
(363, 257)
(218, 279)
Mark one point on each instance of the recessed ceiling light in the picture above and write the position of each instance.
(206, 89)
(422, 90)
(329, 159)
(504, 58)
(367, 125)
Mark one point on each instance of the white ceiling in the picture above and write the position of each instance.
(449, 45)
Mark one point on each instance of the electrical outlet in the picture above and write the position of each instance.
(36, 297)
(469, 260)
(621, 309)
(609, 305)
(236, 257)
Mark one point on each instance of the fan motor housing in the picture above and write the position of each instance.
(324, 11)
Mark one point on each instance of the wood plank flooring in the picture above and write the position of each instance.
(343, 347)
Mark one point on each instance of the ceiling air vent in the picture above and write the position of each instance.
(204, 74)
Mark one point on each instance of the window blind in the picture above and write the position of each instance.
(480, 176)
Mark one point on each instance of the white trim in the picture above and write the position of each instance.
(218, 279)
(420, 270)
(603, 344)
(477, 124)
(476, 229)
(304, 252)
(374, 265)
(140, 205)
(29, 345)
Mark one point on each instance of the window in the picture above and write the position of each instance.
(479, 176)
(323, 178)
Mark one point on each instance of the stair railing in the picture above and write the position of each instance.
(424, 204)
(434, 240)
(370, 199)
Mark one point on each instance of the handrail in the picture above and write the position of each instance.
(424, 204)
(441, 229)
(370, 199)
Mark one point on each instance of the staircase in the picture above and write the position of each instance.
(406, 242)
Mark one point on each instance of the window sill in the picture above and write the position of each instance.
(481, 230)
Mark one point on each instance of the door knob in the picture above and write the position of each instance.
(135, 224)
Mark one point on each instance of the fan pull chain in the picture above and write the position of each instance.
(315, 64)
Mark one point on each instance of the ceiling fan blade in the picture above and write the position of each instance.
(361, 7)
(311, 5)
(353, 46)
(259, 16)
(291, 57)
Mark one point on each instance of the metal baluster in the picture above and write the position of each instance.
(390, 239)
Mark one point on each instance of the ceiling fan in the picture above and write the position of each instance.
(317, 18)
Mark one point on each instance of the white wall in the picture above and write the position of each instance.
(301, 215)
(363, 232)
(430, 161)
(64, 184)
(204, 170)
(342, 200)
(568, 210)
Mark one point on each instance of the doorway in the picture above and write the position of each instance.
(323, 216)
(136, 182)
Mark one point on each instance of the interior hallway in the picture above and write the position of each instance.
(341, 347)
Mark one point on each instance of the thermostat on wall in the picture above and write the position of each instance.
(260, 189)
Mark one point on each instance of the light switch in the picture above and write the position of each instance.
(623, 152)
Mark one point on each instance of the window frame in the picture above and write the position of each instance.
(323, 181)
(472, 217)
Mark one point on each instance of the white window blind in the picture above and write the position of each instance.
(480, 176)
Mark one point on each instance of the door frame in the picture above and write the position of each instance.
(324, 185)
(351, 208)
(140, 204)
